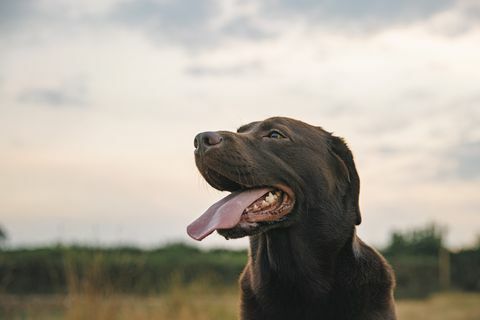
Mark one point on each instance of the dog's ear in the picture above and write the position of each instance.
(341, 151)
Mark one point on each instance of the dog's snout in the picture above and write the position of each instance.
(205, 140)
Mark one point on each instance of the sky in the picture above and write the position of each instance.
(100, 101)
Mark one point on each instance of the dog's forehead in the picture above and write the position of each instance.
(267, 124)
(247, 127)
(279, 123)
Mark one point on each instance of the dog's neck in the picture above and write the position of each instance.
(285, 257)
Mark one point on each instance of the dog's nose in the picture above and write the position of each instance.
(205, 140)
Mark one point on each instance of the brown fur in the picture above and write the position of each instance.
(310, 265)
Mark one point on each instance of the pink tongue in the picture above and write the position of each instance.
(224, 214)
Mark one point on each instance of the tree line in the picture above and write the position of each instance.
(421, 261)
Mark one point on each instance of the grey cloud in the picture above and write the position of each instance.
(357, 15)
(470, 18)
(459, 162)
(68, 94)
(244, 27)
(185, 21)
(173, 14)
(197, 23)
(388, 150)
(472, 11)
(202, 70)
(14, 12)
(189, 22)
(467, 160)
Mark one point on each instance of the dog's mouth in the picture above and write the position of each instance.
(271, 206)
(244, 212)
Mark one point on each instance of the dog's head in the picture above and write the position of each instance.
(282, 173)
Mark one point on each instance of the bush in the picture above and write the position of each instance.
(123, 270)
(417, 276)
(466, 269)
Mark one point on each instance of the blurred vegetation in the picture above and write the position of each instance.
(3, 236)
(419, 258)
(424, 265)
(121, 269)
(414, 255)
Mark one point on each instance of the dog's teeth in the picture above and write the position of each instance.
(270, 198)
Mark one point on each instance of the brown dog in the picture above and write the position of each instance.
(295, 193)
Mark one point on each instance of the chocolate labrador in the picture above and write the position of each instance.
(294, 192)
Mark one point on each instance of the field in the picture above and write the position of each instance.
(195, 303)
(181, 282)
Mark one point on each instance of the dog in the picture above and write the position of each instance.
(294, 191)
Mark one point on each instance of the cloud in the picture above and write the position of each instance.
(244, 27)
(360, 15)
(194, 23)
(204, 70)
(14, 12)
(472, 10)
(466, 157)
(184, 21)
(206, 24)
(211, 23)
(72, 93)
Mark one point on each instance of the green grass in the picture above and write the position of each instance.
(202, 303)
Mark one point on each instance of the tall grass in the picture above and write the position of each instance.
(185, 284)
(202, 303)
(91, 296)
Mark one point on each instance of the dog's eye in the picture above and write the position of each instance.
(274, 134)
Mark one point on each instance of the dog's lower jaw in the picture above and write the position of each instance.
(250, 229)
